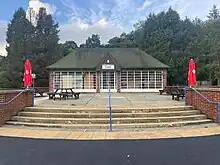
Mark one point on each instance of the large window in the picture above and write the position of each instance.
(141, 79)
(57, 80)
(159, 79)
(124, 83)
(152, 79)
(131, 79)
(145, 79)
(75, 80)
(137, 80)
(89, 80)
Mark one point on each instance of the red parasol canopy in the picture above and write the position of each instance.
(192, 74)
(27, 74)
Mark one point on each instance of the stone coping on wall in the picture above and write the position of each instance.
(13, 91)
(205, 89)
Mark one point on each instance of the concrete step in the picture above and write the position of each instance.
(106, 115)
(106, 110)
(115, 126)
(106, 120)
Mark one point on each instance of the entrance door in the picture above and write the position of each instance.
(108, 77)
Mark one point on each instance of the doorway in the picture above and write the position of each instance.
(106, 77)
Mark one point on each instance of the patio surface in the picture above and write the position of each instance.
(69, 134)
(117, 99)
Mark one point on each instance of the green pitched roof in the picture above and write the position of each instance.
(89, 58)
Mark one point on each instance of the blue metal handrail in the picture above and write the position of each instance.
(212, 102)
(8, 102)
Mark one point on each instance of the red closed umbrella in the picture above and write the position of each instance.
(27, 74)
(192, 74)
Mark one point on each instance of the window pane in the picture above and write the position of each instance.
(66, 80)
(57, 81)
(104, 80)
(112, 80)
(159, 79)
(79, 80)
(64, 73)
(92, 80)
(130, 79)
(137, 79)
(86, 80)
(124, 78)
(152, 80)
(72, 79)
(145, 81)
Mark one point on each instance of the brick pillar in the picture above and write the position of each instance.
(98, 82)
(118, 82)
(51, 77)
(164, 78)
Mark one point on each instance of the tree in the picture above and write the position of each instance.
(48, 50)
(124, 41)
(93, 41)
(211, 43)
(68, 47)
(214, 13)
(19, 39)
(82, 46)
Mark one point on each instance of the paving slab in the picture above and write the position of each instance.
(86, 136)
(74, 135)
(151, 134)
(99, 135)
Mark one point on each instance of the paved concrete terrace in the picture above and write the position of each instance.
(117, 99)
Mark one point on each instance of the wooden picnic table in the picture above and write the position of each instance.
(177, 92)
(64, 93)
(167, 89)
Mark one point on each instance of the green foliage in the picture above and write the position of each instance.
(214, 13)
(93, 41)
(124, 41)
(19, 36)
(167, 37)
(175, 41)
(47, 48)
(39, 44)
(68, 47)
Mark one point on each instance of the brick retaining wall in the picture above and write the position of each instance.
(209, 109)
(7, 111)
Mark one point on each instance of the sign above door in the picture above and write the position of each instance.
(108, 66)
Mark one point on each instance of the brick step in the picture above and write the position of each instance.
(106, 115)
(106, 110)
(115, 126)
(106, 120)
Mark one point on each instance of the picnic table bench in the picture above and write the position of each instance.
(177, 92)
(63, 93)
